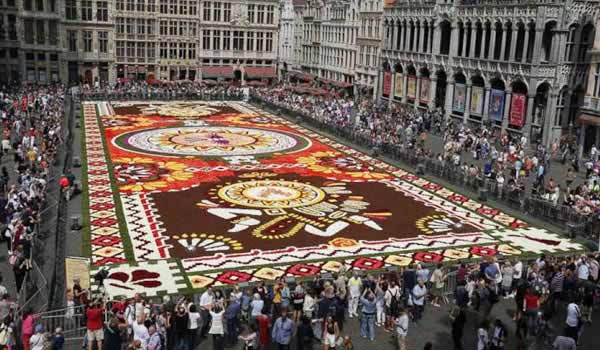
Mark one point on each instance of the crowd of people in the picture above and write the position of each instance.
(316, 313)
(483, 151)
(31, 133)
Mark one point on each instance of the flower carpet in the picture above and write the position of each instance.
(186, 195)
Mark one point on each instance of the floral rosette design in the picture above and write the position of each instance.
(342, 242)
(328, 162)
(122, 122)
(179, 110)
(144, 174)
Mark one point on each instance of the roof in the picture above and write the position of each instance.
(260, 72)
(217, 72)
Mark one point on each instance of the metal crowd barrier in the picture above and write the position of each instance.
(564, 216)
(131, 96)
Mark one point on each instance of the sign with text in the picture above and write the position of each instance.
(517, 110)
(387, 84)
(460, 94)
(497, 105)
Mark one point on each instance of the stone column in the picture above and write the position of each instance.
(490, 53)
(486, 104)
(537, 46)
(432, 90)
(421, 47)
(503, 46)
(528, 116)
(513, 44)
(378, 85)
(473, 41)
(391, 97)
(449, 95)
(454, 41)
(507, 100)
(582, 141)
(402, 36)
(431, 35)
(418, 91)
(525, 45)
(393, 37)
(467, 112)
(435, 49)
(484, 31)
(404, 86)
(548, 121)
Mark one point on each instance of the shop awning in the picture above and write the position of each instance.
(304, 76)
(215, 72)
(260, 72)
(336, 83)
(588, 119)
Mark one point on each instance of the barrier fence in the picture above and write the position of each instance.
(575, 223)
(152, 96)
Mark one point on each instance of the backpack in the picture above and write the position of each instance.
(394, 305)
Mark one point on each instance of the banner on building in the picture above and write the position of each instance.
(460, 96)
(399, 86)
(387, 84)
(497, 105)
(411, 89)
(477, 97)
(424, 93)
(77, 268)
(517, 110)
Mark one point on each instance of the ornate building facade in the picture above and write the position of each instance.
(369, 43)
(104, 40)
(329, 38)
(516, 65)
(589, 117)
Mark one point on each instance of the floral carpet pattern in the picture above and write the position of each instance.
(186, 195)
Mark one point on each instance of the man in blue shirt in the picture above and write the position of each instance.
(283, 328)
(233, 322)
(369, 308)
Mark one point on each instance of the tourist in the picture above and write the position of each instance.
(263, 322)
(368, 311)
(283, 328)
(572, 321)
(498, 341)
(354, 288)
(482, 336)
(94, 316)
(438, 281)
(193, 328)
(36, 342)
(112, 335)
(250, 338)
(216, 328)
(331, 334)
(531, 307)
(304, 334)
(458, 317)
(401, 325)
(419, 292)
(232, 321)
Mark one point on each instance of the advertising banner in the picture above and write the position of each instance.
(517, 110)
(460, 95)
(412, 87)
(424, 93)
(77, 268)
(497, 105)
(477, 98)
(387, 84)
(399, 86)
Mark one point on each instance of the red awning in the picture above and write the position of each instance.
(588, 119)
(217, 72)
(304, 76)
(260, 72)
(336, 83)
(256, 83)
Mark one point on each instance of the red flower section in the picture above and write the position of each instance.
(483, 251)
(233, 277)
(428, 257)
(106, 241)
(102, 206)
(367, 264)
(103, 222)
(303, 270)
(458, 198)
(488, 211)
(139, 277)
(432, 187)
(409, 177)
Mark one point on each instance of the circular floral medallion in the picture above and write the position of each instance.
(180, 110)
(271, 194)
(215, 141)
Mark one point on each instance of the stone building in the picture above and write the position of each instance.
(328, 40)
(368, 42)
(512, 64)
(589, 117)
(286, 54)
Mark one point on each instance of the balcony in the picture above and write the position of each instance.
(591, 103)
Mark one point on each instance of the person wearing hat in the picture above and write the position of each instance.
(36, 342)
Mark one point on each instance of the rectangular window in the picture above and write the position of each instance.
(120, 25)
(102, 11)
(141, 26)
(141, 50)
(150, 23)
(193, 30)
(72, 40)
(120, 5)
(120, 47)
(238, 40)
(217, 12)
(86, 10)
(193, 8)
(151, 6)
(269, 42)
(227, 12)
(28, 30)
(130, 7)
(163, 51)
(163, 6)
(250, 41)
(130, 49)
(260, 41)
(182, 51)
(87, 41)
(192, 51)
(206, 12)
(28, 5)
(251, 13)
(71, 9)
(183, 7)
(173, 7)
(226, 40)
(151, 49)
(130, 25)
(172, 27)
(216, 40)
(53, 32)
(173, 51)
(140, 6)
(260, 18)
(206, 39)
(270, 14)
(40, 33)
(163, 28)
(39, 5)
(52, 4)
(103, 42)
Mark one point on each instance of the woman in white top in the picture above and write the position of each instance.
(36, 342)
(216, 327)
(193, 325)
(483, 338)
(309, 305)
(256, 306)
